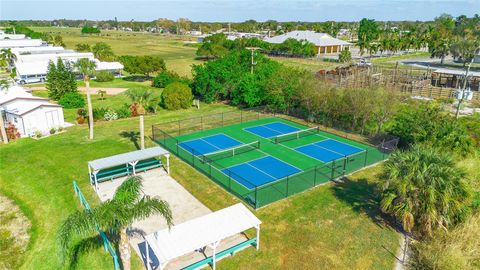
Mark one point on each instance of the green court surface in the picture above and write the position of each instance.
(247, 160)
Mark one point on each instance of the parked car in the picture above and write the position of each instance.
(363, 63)
(26, 79)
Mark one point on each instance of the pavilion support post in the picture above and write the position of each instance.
(258, 237)
(147, 252)
(89, 174)
(134, 163)
(214, 247)
(168, 164)
(95, 177)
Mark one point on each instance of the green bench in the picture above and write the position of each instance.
(145, 165)
(122, 170)
(228, 251)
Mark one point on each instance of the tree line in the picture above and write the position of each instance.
(218, 45)
(458, 37)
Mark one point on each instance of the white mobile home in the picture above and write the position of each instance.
(16, 43)
(29, 114)
(3, 35)
(33, 68)
(39, 50)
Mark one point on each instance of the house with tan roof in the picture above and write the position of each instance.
(324, 43)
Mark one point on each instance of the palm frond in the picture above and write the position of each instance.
(79, 223)
(129, 191)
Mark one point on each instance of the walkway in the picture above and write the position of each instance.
(93, 90)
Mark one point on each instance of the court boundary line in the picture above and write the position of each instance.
(245, 129)
(202, 139)
(256, 186)
(324, 162)
(341, 141)
(229, 148)
(299, 170)
(343, 155)
(263, 125)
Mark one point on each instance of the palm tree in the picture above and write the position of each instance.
(87, 67)
(4, 85)
(142, 98)
(114, 216)
(8, 56)
(424, 190)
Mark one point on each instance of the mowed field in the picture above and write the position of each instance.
(334, 226)
(179, 55)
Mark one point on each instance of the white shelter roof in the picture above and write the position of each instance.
(13, 92)
(125, 158)
(17, 100)
(457, 72)
(319, 39)
(45, 57)
(38, 50)
(13, 43)
(197, 233)
(108, 65)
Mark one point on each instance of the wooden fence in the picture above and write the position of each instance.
(409, 81)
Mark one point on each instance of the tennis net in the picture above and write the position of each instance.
(230, 152)
(296, 135)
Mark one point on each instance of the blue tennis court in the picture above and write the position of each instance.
(328, 150)
(272, 129)
(209, 144)
(260, 171)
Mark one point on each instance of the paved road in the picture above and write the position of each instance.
(93, 90)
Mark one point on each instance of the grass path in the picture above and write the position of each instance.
(329, 227)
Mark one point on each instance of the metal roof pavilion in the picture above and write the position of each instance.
(125, 158)
(204, 231)
(130, 158)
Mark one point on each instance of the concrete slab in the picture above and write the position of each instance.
(184, 207)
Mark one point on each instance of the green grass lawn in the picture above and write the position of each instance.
(327, 227)
(109, 102)
(313, 65)
(178, 56)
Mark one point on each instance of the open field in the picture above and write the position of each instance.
(335, 226)
(178, 56)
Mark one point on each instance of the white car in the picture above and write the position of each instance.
(363, 63)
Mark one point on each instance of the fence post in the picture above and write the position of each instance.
(256, 197)
(315, 176)
(179, 127)
(222, 119)
(333, 170)
(286, 195)
(201, 123)
(241, 116)
(366, 154)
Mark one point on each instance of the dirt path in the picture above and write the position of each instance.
(14, 227)
(93, 90)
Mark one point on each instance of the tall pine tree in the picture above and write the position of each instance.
(60, 79)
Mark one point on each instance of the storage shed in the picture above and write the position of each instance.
(30, 114)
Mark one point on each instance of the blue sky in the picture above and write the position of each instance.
(236, 10)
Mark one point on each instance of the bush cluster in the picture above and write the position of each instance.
(72, 100)
(104, 76)
(176, 96)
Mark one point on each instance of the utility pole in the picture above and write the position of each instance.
(464, 88)
(253, 63)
